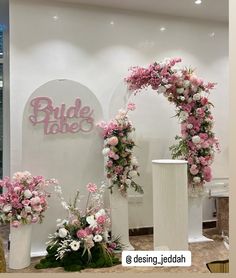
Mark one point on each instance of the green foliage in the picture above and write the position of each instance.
(75, 261)
(180, 149)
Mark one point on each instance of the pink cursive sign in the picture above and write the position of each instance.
(61, 119)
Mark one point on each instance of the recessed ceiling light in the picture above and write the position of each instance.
(112, 22)
(162, 29)
(198, 2)
(212, 35)
(55, 17)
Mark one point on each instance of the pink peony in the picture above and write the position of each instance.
(113, 141)
(92, 187)
(194, 170)
(81, 233)
(131, 106)
(101, 219)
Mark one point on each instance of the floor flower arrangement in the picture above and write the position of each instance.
(82, 240)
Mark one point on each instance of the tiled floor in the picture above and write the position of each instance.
(201, 254)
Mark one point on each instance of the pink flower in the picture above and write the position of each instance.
(200, 112)
(26, 202)
(37, 208)
(131, 106)
(194, 170)
(203, 161)
(204, 101)
(101, 219)
(15, 224)
(35, 201)
(111, 154)
(207, 173)
(113, 141)
(81, 233)
(118, 169)
(203, 136)
(109, 163)
(92, 187)
(35, 219)
(116, 157)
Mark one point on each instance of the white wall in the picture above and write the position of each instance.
(84, 46)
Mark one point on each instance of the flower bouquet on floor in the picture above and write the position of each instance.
(82, 240)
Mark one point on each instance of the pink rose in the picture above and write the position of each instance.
(118, 169)
(109, 163)
(194, 170)
(131, 106)
(35, 219)
(101, 219)
(204, 101)
(113, 141)
(200, 112)
(92, 187)
(26, 202)
(203, 161)
(81, 233)
(203, 136)
(37, 208)
(116, 157)
(207, 173)
(111, 154)
(15, 224)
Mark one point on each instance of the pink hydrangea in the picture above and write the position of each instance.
(92, 187)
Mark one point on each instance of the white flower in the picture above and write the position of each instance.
(197, 96)
(75, 245)
(183, 115)
(134, 161)
(186, 83)
(28, 209)
(27, 194)
(18, 217)
(161, 89)
(196, 139)
(194, 89)
(61, 223)
(62, 232)
(35, 201)
(196, 179)
(91, 221)
(97, 238)
(182, 98)
(133, 173)
(180, 91)
(100, 213)
(190, 100)
(105, 151)
(189, 126)
(128, 182)
(7, 208)
(16, 189)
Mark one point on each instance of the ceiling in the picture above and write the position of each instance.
(209, 9)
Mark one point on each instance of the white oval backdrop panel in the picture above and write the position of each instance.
(156, 129)
(73, 159)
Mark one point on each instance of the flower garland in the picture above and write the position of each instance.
(121, 165)
(197, 143)
(82, 240)
(24, 199)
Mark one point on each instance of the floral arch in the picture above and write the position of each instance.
(197, 143)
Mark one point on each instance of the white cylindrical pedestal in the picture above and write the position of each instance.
(20, 246)
(120, 218)
(170, 204)
(195, 220)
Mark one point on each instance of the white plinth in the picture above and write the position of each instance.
(170, 204)
(195, 220)
(120, 218)
(20, 246)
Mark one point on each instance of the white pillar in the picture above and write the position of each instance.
(120, 218)
(170, 204)
(195, 220)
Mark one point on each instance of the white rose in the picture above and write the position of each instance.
(18, 217)
(134, 161)
(196, 179)
(62, 232)
(182, 98)
(28, 209)
(180, 91)
(27, 194)
(189, 126)
(7, 208)
(183, 115)
(197, 96)
(75, 245)
(133, 173)
(97, 238)
(196, 139)
(186, 83)
(161, 89)
(105, 151)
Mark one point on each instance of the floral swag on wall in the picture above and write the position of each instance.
(197, 143)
